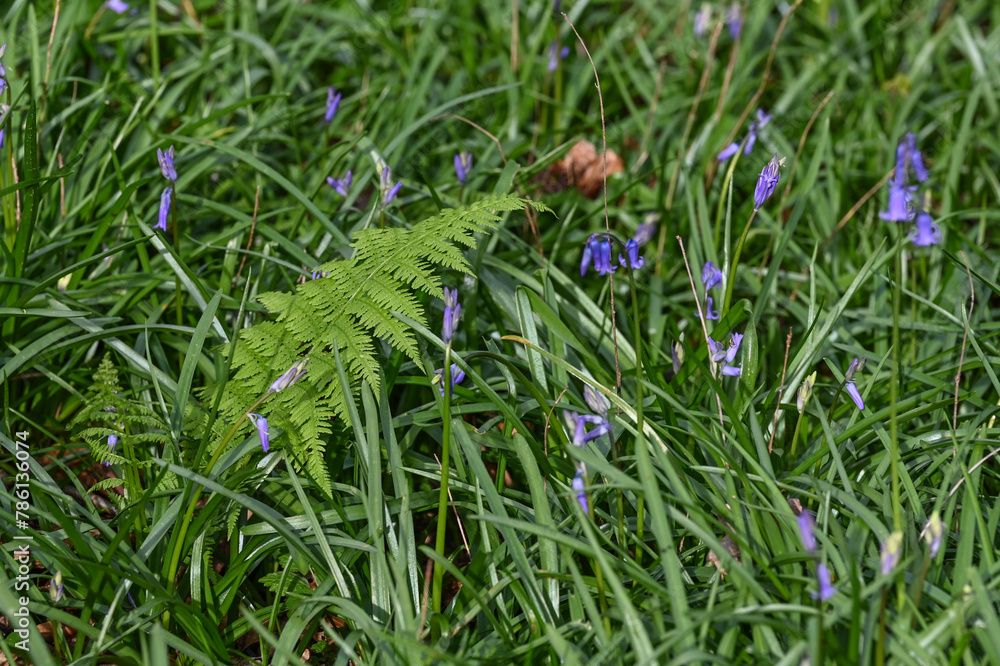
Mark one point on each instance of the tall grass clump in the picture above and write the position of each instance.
(533, 332)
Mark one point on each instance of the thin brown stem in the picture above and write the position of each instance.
(781, 389)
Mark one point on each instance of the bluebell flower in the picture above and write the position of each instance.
(112, 444)
(763, 119)
(826, 587)
(732, 370)
(766, 182)
(807, 533)
(934, 534)
(892, 549)
(907, 156)
(728, 152)
(734, 20)
(452, 312)
(701, 19)
(262, 431)
(341, 186)
(117, 6)
(555, 55)
(709, 312)
(857, 365)
(389, 191)
(581, 496)
(332, 102)
(597, 402)
(164, 209)
(711, 276)
(634, 261)
(852, 390)
(734, 347)
(166, 162)
(3, 71)
(578, 424)
(457, 375)
(292, 375)
(318, 274)
(463, 164)
(599, 250)
(717, 350)
(923, 234)
(900, 201)
(1, 138)
(647, 229)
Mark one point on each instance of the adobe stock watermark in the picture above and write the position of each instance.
(20, 619)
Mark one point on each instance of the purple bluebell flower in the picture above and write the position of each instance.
(463, 164)
(164, 209)
(292, 375)
(589, 248)
(341, 186)
(717, 350)
(457, 375)
(892, 549)
(734, 347)
(934, 534)
(907, 156)
(916, 159)
(318, 274)
(767, 181)
(763, 119)
(262, 430)
(1, 138)
(634, 261)
(602, 261)
(166, 161)
(728, 152)
(646, 230)
(900, 201)
(807, 531)
(709, 312)
(117, 6)
(826, 587)
(711, 276)
(332, 102)
(852, 390)
(701, 19)
(732, 370)
(857, 365)
(597, 402)
(452, 312)
(112, 444)
(581, 496)
(734, 20)
(555, 55)
(923, 234)
(3, 70)
(578, 424)
(389, 191)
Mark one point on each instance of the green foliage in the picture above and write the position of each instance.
(345, 313)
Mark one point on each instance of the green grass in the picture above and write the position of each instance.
(195, 547)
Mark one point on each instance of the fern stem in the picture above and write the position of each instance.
(443, 494)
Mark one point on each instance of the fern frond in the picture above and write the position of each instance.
(347, 311)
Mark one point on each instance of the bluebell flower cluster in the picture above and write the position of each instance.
(581, 436)
(457, 375)
(902, 198)
(807, 534)
(597, 251)
(711, 277)
(341, 186)
(452, 313)
(725, 356)
(166, 162)
(763, 118)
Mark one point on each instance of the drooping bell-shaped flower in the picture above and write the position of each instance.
(766, 182)
(807, 531)
(166, 162)
(632, 250)
(463, 164)
(452, 312)
(332, 102)
(164, 209)
(826, 587)
(925, 232)
(900, 202)
(711, 276)
(341, 186)
(262, 430)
